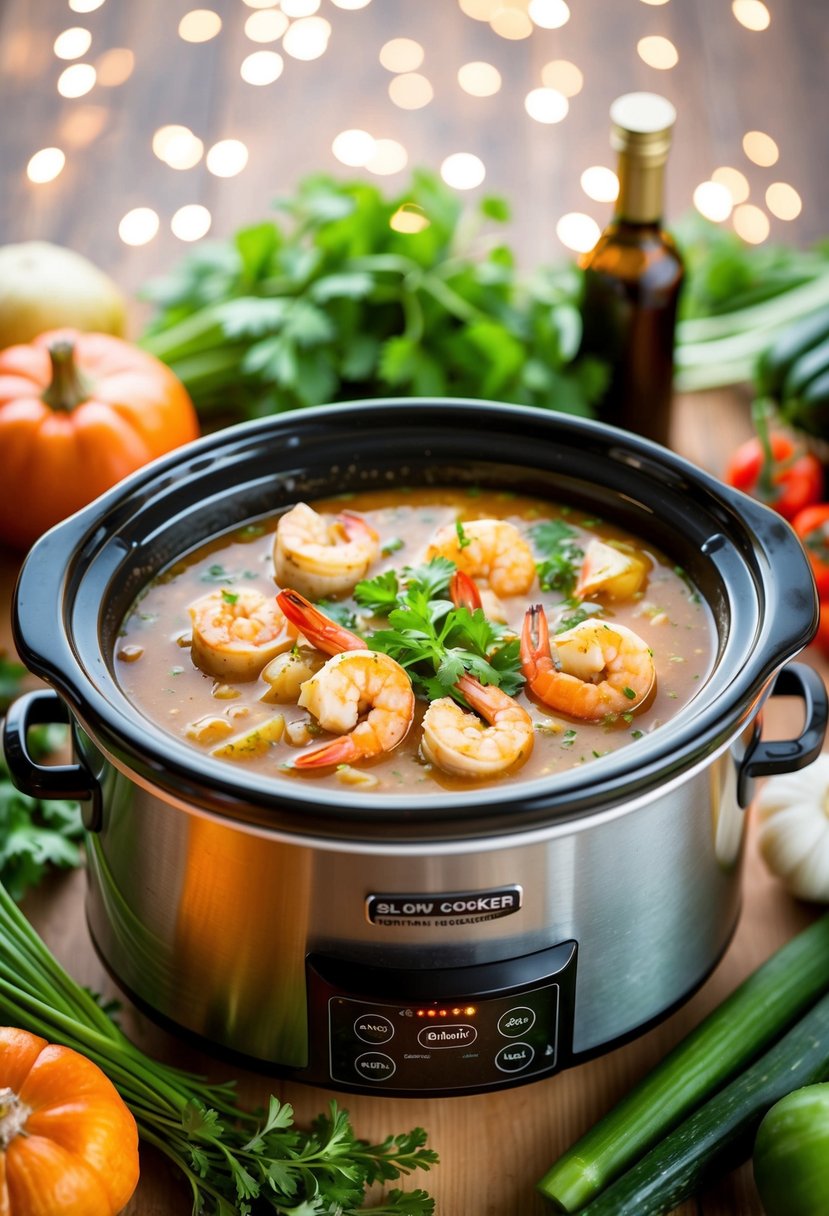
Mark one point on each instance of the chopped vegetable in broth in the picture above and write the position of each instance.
(415, 640)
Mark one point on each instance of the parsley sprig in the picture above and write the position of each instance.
(235, 1162)
(435, 641)
(556, 544)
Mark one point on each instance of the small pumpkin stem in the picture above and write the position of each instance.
(68, 387)
(13, 1116)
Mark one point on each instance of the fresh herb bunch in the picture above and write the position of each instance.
(340, 303)
(236, 1163)
(435, 641)
(560, 554)
(35, 834)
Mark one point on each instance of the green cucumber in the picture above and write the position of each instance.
(810, 410)
(720, 1134)
(775, 362)
(805, 369)
(727, 1040)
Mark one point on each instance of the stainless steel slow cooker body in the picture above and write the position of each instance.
(400, 944)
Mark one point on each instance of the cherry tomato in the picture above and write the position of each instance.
(790, 481)
(812, 526)
(821, 638)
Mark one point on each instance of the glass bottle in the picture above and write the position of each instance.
(634, 274)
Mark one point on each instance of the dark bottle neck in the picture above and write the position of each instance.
(641, 189)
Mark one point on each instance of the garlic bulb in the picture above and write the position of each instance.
(793, 816)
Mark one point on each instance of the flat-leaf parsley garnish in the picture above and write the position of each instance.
(555, 543)
(435, 641)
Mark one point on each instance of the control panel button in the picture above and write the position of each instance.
(516, 1021)
(373, 1028)
(375, 1066)
(514, 1056)
(447, 1036)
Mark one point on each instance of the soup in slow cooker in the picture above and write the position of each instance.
(408, 640)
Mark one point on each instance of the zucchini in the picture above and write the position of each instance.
(775, 362)
(720, 1134)
(728, 1039)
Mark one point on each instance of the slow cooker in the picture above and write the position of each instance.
(397, 944)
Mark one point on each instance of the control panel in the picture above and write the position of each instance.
(442, 1031)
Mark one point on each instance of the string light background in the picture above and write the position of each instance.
(148, 126)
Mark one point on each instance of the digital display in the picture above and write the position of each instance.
(453, 1011)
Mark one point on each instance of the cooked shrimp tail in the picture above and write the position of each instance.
(464, 591)
(363, 696)
(461, 744)
(594, 670)
(319, 629)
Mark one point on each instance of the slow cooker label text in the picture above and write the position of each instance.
(443, 910)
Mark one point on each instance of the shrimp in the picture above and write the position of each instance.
(353, 683)
(321, 556)
(323, 633)
(236, 633)
(459, 743)
(492, 549)
(593, 670)
(611, 570)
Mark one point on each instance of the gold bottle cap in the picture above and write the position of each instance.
(642, 124)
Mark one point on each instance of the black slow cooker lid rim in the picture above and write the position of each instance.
(142, 749)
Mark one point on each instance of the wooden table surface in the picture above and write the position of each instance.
(728, 80)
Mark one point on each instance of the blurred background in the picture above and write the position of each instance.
(132, 130)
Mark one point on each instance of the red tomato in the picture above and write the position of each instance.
(792, 480)
(812, 526)
(821, 638)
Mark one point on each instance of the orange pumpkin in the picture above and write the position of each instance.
(68, 1143)
(79, 411)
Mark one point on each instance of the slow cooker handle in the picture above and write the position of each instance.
(43, 780)
(766, 758)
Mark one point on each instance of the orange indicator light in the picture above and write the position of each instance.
(470, 1009)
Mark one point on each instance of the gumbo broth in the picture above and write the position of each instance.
(235, 713)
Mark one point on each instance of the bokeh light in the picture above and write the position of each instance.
(115, 66)
(658, 52)
(81, 125)
(600, 183)
(463, 171)
(480, 10)
(409, 218)
(511, 23)
(546, 105)
(139, 226)
(45, 165)
(751, 223)
(411, 91)
(388, 157)
(564, 76)
(177, 146)
(713, 200)
(266, 25)
(307, 38)
(735, 182)
(401, 55)
(351, 5)
(199, 25)
(752, 14)
(549, 14)
(479, 79)
(577, 231)
(354, 147)
(191, 222)
(300, 8)
(72, 43)
(783, 201)
(77, 80)
(227, 158)
(262, 67)
(85, 6)
(760, 148)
